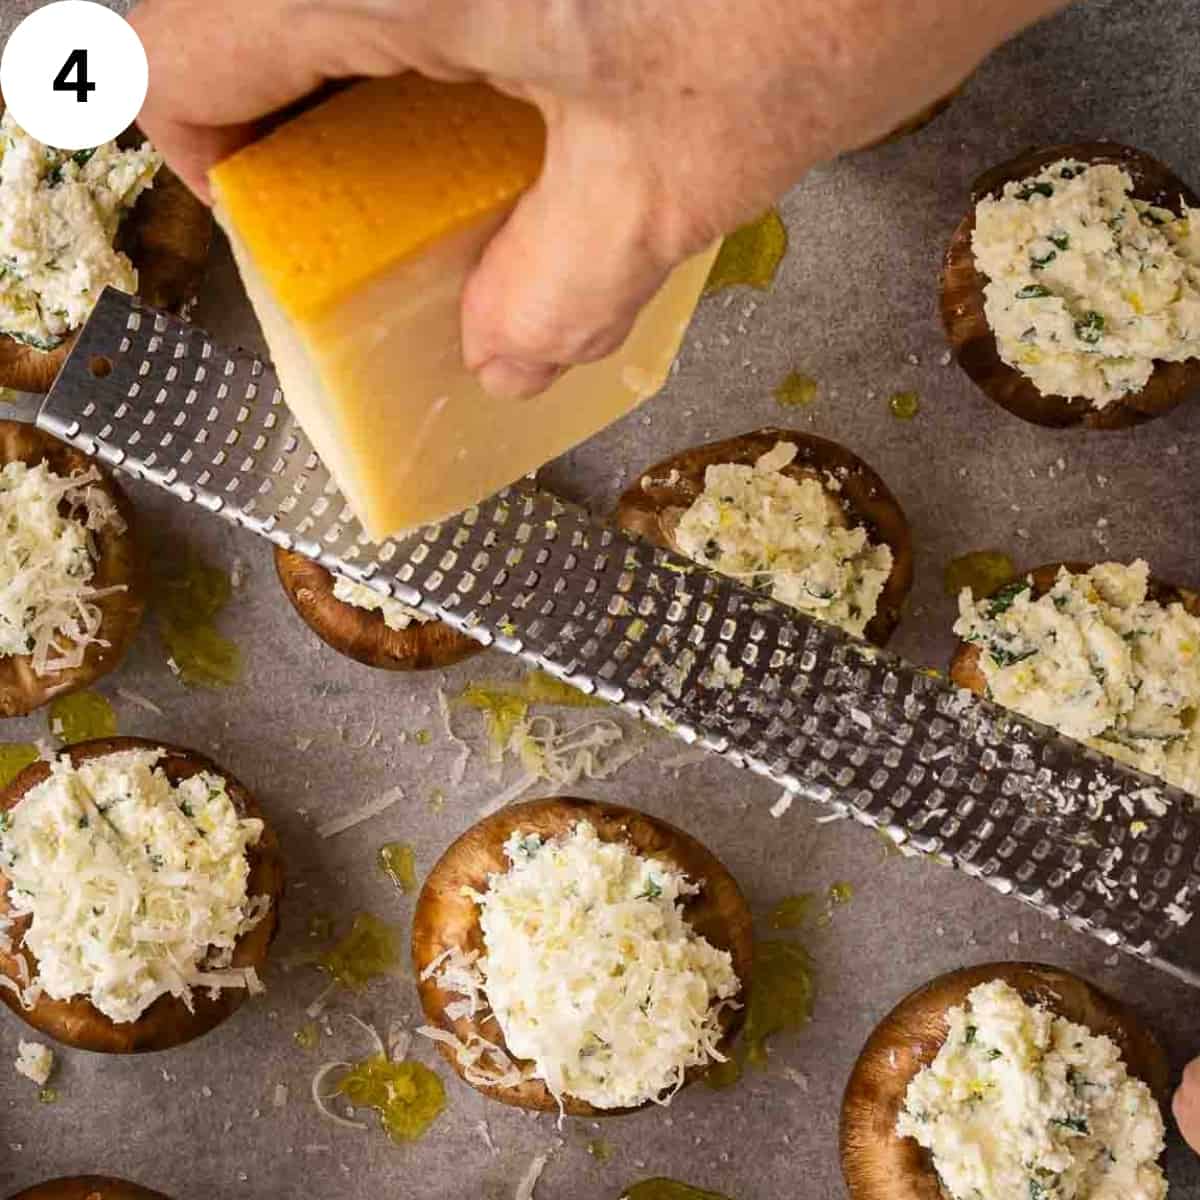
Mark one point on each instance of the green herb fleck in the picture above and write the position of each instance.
(1037, 188)
(1003, 600)
(1090, 328)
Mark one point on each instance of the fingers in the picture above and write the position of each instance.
(192, 149)
(1186, 1105)
(565, 277)
(218, 67)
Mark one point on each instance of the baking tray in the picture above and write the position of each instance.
(855, 307)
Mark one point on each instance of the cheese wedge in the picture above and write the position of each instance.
(355, 226)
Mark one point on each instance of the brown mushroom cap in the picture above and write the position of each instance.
(879, 1165)
(167, 1022)
(652, 507)
(166, 237)
(964, 665)
(363, 634)
(971, 336)
(445, 917)
(87, 1187)
(120, 563)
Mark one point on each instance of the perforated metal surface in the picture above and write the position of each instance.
(822, 714)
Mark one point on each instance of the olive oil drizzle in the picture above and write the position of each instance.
(188, 596)
(751, 255)
(406, 1095)
(14, 758)
(81, 717)
(367, 952)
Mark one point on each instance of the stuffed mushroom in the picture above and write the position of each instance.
(139, 892)
(581, 957)
(1071, 290)
(364, 624)
(797, 517)
(72, 575)
(1002, 1080)
(1102, 652)
(72, 224)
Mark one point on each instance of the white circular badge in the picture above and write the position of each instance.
(74, 74)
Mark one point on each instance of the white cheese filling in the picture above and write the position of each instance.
(1097, 660)
(1088, 287)
(47, 561)
(592, 972)
(136, 887)
(1022, 1105)
(786, 537)
(59, 215)
(395, 615)
(35, 1062)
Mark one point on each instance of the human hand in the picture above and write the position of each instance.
(1186, 1105)
(667, 125)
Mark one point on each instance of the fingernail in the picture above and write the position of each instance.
(509, 379)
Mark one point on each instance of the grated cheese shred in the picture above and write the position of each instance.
(396, 616)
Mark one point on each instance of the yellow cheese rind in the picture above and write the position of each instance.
(371, 176)
(357, 277)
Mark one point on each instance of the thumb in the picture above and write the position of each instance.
(1186, 1105)
(566, 275)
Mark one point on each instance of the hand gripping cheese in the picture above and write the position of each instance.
(355, 226)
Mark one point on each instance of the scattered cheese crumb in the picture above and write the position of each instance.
(35, 1061)
(372, 808)
(783, 803)
(530, 1179)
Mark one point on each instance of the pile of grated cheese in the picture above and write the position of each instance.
(59, 215)
(1098, 660)
(591, 971)
(395, 615)
(136, 887)
(48, 607)
(786, 537)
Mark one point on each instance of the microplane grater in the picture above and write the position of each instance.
(821, 713)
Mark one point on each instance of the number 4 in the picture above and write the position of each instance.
(81, 84)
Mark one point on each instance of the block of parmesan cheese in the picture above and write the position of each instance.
(354, 226)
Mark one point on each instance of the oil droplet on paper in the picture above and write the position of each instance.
(796, 391)
(365, 953)
(904, 405)
(407, 1095)
(750, 255)
(982, 571)
(80, 717)
(781, 994)
(793, 912)
(188, 596)
(397, 861)
(667, 1189)
(14, 758)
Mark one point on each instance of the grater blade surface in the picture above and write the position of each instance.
(828, 717)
